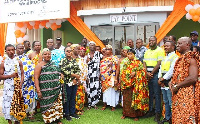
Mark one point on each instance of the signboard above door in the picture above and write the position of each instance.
(123, 18)
(33, 10)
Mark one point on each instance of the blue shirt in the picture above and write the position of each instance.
(140, 53)
(57, 55)
(196, 43)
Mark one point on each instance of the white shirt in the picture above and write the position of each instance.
(169, 74)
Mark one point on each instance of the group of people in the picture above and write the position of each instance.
(61, 80)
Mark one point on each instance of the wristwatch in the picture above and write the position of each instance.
(175, 86)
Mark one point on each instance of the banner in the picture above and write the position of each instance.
(33, 10)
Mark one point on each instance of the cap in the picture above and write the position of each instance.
(126, 48)
(194, 32)
(82, 48)
(92, 42)
(58, 38)
(109, 46)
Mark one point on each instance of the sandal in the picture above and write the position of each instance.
(136, 119)
(58, 122)
(103, 108)
(79, 113)
(113, 109)
(123, 117)
(89, 107)
(95, 107)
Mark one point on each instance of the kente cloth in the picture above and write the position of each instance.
(80, 94)
(57, 55)
(94, 85)
(13, 104)
(55, 112)
(80, 97)
(129, 111)
(50, 86)
(83, 70)
(186, 102)
(138, 84)
(28, 87)
(108, 69)
(35, 59)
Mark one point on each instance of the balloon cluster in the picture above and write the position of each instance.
(21, 27)
(193, 12)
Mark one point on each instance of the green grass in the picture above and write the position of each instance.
(96, 117)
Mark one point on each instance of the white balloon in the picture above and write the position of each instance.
(63, 20)
(188, 7)
(20, 40)
(58, 22)
(196, 6)
(25, 25)
(40, 26)
(48, 24)
(16, 28)
(188, 16)
(23, 30)
(26, 37)
(32, 23)
(52, 20)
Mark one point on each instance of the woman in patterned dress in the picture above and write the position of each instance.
(80, 95)
(47, 76)
(134, 87)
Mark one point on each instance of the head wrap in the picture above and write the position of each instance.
(44, 50)
(82, 48)
(109, 46)
(73, 46)
(126, 48)
(92, 42)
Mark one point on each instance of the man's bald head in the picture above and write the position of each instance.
(184, 44)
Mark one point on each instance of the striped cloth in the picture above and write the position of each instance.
(50, 85)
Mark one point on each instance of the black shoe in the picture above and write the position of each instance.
(68, 118)
(157, 117)
(165, 120)
(75, 116)
(149, 114)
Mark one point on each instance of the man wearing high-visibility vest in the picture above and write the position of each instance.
(164, 75)
(152, 61)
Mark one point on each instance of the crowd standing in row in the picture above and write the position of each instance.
(62, 79)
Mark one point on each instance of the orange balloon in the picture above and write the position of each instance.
(29, 26)
(58, 26)
(20, 24)
(195, 18)
(192, 12)
(197, 11)
(43, 23)
(36, 26)
(53, 26)
(37, 22)
(17, 36)
(17, 32)
(22, 34)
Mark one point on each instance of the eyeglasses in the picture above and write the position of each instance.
(107, 49)
(68, 51)
(193, 35)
